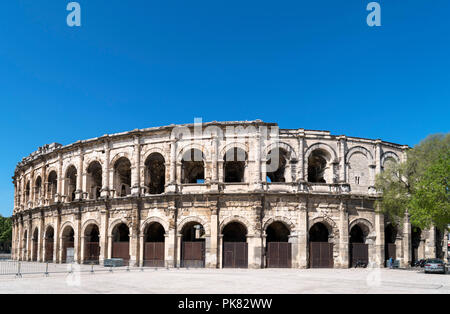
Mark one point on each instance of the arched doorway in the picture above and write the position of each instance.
(71, 183)
(193, 245)
(92, 244)
(121, 242)
(154, 237)
(235, 247)
(319, 169)
(390, 249)
(278, 248)
(122, 177)
(155, 173)
(416, 234)
(49, 244)
(34, 253)
(359, 250)
(94, 179)
(193, 167)
(320, 250)
(68, 245)
(52, 187)
(235, 163)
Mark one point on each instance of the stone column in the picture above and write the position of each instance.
(169, 247)
(220, 250)
(343, 236)
(430, 244)
(406, 242)
(211, 254)
(44, 184)
(178, 247)
(302, 241)
(264, 250)
(59, 187)
(80, 188)
(29, 238)
(20, 238)
(77, 236)
(215, 164)
(378, 157)
(105, 171)
(379, 241)
(134, 241)
(342, 163)
(82, 249)
(135, 169)
(141, 249)
(104, 217)
(41, 256)
(254, 251)
(293, 240)
(56, 237)
(173, 166)
(301, 155)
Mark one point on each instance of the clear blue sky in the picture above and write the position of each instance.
(136, 64)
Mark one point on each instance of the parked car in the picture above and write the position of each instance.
(435, 265)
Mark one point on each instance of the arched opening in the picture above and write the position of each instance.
(320, 248)
(318, 170)
(49, 244)
(94, 179)
(71, 183)
(193, 245)
(121, 242)
(27, 192)
(122, 177)
(38, 189)
(52, 185)
(34, 252)
(359, 250)
(154, 236)
(235, 162)
(390, 236)
(192, 167)
(276, 165)
(68, 245)
(92, 244)
(278, 248)
(235, 248)
(416, 234)
(155, 173)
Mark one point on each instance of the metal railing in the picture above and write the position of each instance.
(21, 268)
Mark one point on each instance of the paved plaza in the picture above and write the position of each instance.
(212, 281)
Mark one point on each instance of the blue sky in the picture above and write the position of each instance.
(136, 64)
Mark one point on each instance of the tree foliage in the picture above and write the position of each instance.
(5, 229)
(419, 186)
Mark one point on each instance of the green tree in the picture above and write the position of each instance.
(419, 185)
(5, 229)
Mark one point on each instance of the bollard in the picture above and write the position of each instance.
(46, 270)
(110, 269)
(92, 268)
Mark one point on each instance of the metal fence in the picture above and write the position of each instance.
(20, 268)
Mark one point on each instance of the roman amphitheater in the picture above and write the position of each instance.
(217, 195)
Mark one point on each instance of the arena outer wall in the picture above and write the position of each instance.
(142, 183)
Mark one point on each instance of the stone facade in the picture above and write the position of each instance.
(143, 178)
